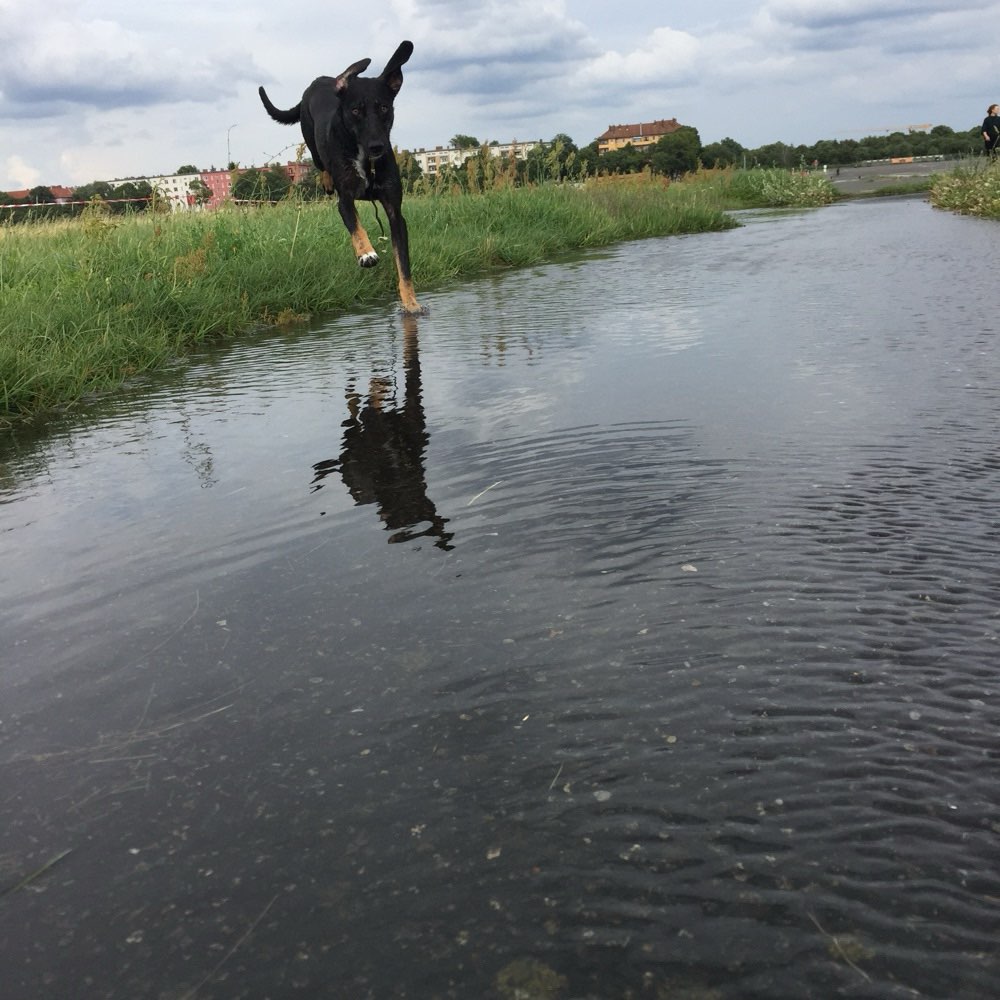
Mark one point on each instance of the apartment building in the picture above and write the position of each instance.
(220, 183)
(432, 160)
(175, 188)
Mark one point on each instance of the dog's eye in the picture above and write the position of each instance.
(357, 112)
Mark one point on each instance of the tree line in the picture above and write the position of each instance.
(559, 159)
(680, 152)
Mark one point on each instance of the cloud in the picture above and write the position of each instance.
(517, 61)
(819, 14)
(492, 47)
(25, 176)
(54, 65)
(108, 88)
(667, 57)
(885, 25)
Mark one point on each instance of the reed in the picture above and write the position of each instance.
(972, 188)
(774, 188)
(87, 304)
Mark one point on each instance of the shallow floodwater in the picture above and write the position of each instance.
(627, 627)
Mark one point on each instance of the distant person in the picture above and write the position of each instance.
(991, 129)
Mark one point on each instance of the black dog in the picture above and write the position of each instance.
(346, 122)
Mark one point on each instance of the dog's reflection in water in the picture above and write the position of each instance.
(382, 457)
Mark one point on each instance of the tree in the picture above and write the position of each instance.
(775, 154)
(535, 166)
(626, 160)
(726, 153)
(588, 160)
(460, 141)
(137, 195)
(560, 157)
(271, 184)
(479, 170)
(309, 186)
(96, 189)
(200, 191)
(677, 152)
(188, 169)
(409, 169)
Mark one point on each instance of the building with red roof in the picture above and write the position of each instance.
(639, 135)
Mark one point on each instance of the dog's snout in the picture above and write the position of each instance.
(376, 149)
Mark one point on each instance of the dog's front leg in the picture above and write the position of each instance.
(363, 249)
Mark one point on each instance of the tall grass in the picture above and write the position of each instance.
(773, 188)
(86, 304)
(972, 188)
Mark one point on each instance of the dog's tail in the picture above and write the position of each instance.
(289, 117)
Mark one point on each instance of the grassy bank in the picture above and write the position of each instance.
(86, 304)
(971, 189)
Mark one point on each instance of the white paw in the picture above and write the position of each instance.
(368, 259)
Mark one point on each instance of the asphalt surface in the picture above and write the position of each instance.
(883, 176)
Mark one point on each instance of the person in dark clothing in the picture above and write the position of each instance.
(991, 129)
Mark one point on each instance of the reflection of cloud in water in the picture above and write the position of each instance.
(671, 328)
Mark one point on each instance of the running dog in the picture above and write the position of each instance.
(346, 122)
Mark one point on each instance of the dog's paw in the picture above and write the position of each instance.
(368, 259)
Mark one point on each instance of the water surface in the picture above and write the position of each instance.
(626, 627)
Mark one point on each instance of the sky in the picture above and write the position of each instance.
(104, 91)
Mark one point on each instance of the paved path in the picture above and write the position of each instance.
(881, 176)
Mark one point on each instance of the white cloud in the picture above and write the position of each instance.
(23, 175)
(665, 57)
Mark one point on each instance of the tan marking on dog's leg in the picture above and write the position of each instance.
(407, 295)
(363, 248)
(327, 181)
(409, 299)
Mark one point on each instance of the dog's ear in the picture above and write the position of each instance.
(352, 71)
(392, 75)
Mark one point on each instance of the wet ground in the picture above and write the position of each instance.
(627, 627)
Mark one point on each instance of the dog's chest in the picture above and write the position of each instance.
(357, 178)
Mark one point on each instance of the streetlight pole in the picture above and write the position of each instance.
(229, 154)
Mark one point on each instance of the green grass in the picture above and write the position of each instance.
(973, 188)
(87, 304)
(770, 188)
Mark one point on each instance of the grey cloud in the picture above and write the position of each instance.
(895, 28)
(815, 16)
(101, 65)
